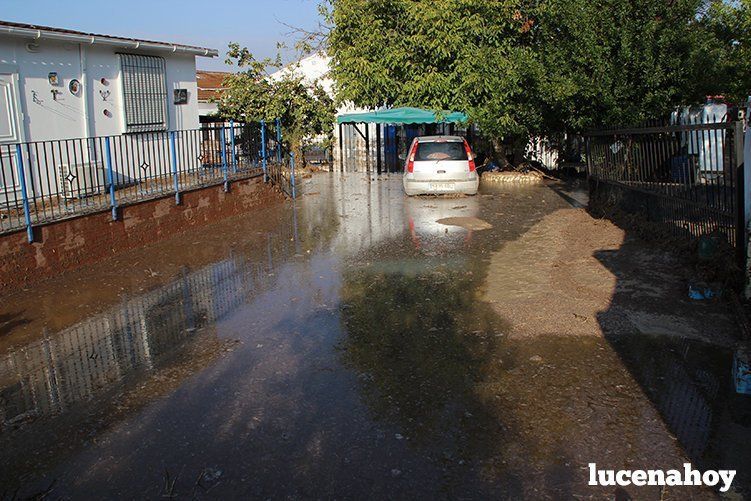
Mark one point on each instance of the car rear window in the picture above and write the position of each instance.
(447, 150)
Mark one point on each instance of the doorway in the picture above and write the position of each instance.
(10, 135)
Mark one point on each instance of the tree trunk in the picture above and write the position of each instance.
(519, 146)
(508, 154)
(500, 153)
(298, 150)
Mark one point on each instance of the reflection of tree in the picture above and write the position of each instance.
(419, 343)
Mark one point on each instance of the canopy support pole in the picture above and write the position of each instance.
(378, 148)
(341, 148)
(367, 149)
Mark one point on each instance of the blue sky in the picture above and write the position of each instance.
(255, 24)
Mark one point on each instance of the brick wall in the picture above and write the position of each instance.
(68, 244)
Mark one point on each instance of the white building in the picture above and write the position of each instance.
(315, 68)
(311, 69)
(57, 83)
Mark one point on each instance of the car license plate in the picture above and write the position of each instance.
(442, 186)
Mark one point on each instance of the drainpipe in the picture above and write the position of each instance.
(85, 90)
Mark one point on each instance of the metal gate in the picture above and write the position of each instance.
(279, 163)
(688, 177)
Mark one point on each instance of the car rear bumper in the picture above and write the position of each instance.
(441, 186)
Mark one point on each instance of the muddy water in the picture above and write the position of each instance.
(340, 347)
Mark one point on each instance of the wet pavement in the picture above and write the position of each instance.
(359, 343)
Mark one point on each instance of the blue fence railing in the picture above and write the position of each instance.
(45, 181)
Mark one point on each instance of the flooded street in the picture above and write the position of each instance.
(360, 343)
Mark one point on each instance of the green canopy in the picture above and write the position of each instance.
(402, 116)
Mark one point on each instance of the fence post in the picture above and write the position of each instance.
(593, 180)
(232, 141)
(263, 150)
(741, 237)
(224, 159)
(175, 180)
(24, 193)
(278, 141)
(746, 200)
(292, 172)
(589, 157)
(110, 177)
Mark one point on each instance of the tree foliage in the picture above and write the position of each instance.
(519, 67)
(723, 57)
(306, 110)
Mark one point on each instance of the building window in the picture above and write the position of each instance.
(144, 93)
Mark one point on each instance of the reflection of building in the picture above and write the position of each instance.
(80, 362)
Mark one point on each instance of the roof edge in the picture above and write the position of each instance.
(49, 33)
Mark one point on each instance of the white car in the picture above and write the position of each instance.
(440, 164)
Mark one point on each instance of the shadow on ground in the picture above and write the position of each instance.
(687, 376)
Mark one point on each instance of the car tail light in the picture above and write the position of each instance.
(411, 157)
(470, 156)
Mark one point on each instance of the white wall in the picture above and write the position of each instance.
(181, 74)
(46, 119)
(312, 69)
(206, 109)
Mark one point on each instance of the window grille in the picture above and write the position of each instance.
(144, 93)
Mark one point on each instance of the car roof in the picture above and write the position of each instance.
(439, 139)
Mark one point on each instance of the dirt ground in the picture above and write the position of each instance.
(579, 295)
(565, 272)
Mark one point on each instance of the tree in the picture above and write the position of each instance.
(521, 68)
(306, 111)
(466, 55)
(723, 57)
(612, 63)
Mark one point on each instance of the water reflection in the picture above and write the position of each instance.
(51, 374)
(419, 342)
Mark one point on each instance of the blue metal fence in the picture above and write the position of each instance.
(45, 181)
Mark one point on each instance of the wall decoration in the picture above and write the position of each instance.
(104, 81)
(107, 113)
(35, 97)
(52, 78)
(181, 96)
(74, 86)
(55, 93)
(105, 94)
